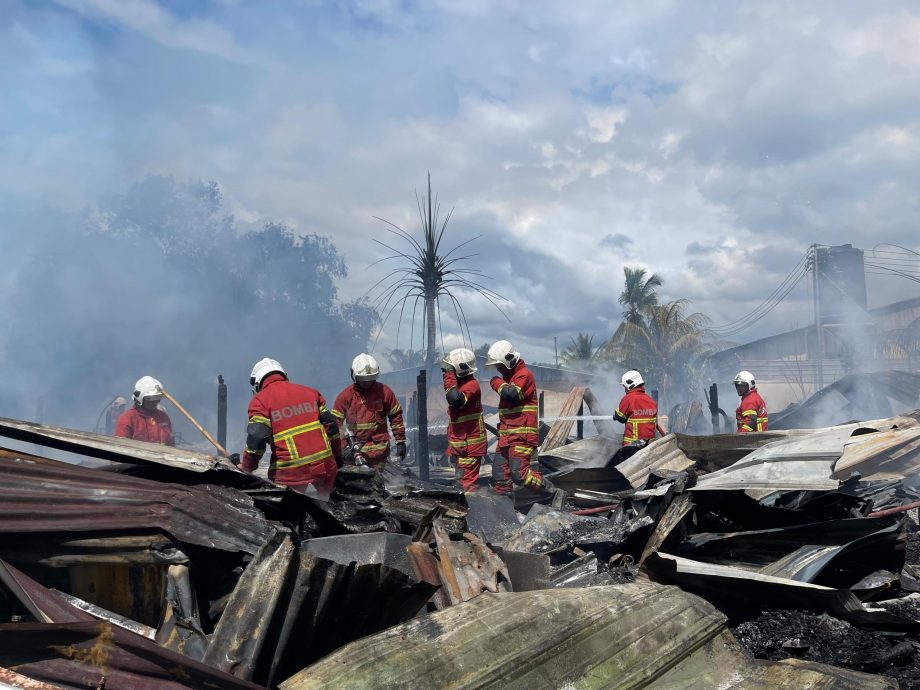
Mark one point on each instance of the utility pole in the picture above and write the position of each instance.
(819, 329)
(556, 350)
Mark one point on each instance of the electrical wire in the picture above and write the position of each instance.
(794, 275)
(799, 271)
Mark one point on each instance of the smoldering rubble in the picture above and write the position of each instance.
(781, 559)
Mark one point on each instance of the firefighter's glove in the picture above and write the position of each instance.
(234, 458)
(348, 454)
(401, 451)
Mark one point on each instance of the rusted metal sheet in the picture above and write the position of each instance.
(44, 605)
(675, 512)
(561, 428)
(291, 607)
(891, 454)
(60, 502)
(11, 679)
(112, 448)
(468, 567)
(99, 655)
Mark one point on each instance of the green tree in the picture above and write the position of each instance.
(429, 274)
(405, 359)
(667, 345)
(579, 350)
(639, 292)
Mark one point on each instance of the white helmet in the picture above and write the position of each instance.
(147, 387)
(745, 377)
(462, 360)
(502, 352)
(263, 368)
(364, 368)
(632, 379)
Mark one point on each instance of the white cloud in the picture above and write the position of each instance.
(148, 18)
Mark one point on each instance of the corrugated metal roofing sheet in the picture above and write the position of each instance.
(56, 498)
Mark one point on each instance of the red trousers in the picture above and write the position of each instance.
(321, 476)
(515, 469)
(468, 472)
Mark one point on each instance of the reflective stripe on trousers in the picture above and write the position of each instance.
(515, 469)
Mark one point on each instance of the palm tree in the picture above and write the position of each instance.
(405, 359)
(638, 293)
(579, 350)
(667, 345)
(428, 275)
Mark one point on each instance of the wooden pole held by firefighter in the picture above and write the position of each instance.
(198, 426)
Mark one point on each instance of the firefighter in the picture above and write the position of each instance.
(145, 421)
(751, 414)
(112, 413)
(466, 432)
(364, 409)
(517, 418)
(293, 419)
(637, 410)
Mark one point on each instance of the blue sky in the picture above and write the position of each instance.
(711, 143)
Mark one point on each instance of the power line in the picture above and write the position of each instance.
(751, 321)
(778, 295)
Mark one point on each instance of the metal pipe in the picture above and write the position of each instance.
(895, 510)
(592, 511)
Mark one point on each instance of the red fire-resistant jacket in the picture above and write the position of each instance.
(366, 414)
(639, 412)
(751, 414)
(301, 430)
(145, 425)
(466, 432)
(517, 407)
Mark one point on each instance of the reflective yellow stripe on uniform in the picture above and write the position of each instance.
(296, 460)
(259, 419)
(393, 410)
(517, 410)
(364, 426)
(468, 418)
(467, 441)
(518, 430)
(374, 446)
(338, 414)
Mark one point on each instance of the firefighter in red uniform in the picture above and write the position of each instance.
(637, 410)
(304, 436)
(751, 414)
(364, 408)
(466, 432)
(518, 436)
(145, 421)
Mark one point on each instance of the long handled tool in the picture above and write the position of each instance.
(198, 426)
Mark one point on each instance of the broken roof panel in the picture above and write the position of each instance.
(65, 502)
(97, 654)
(893, 454)
(663, 453)
(114, 448)
(803, 462)
(291, 607)
(627, 636)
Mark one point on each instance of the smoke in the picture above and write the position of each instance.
(160, 280)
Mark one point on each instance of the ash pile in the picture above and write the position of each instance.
(781, 559)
